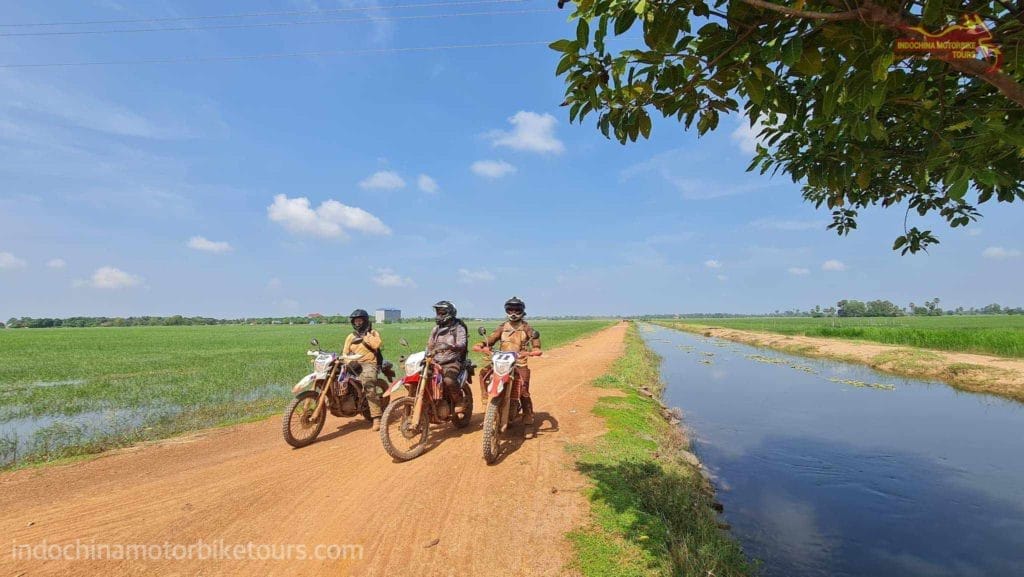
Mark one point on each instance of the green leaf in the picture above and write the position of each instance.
(958, 190)
(624, 21)
(583, 33)
(863, 178)
(640, 7)
(563, 45)
(645, 124)
(933, 12)
(792, 51)
(565, 63)
(880, 67)
(810, 63)
(754, 88)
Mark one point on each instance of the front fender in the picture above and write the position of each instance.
(497, 385)
(305, 384)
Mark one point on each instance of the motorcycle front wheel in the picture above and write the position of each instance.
(492, 436)
(298, 427)
(403, 439)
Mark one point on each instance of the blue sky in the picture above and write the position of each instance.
(293, 185)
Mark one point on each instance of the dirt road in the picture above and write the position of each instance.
(248, 504)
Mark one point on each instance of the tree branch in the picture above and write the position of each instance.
(834, 16)
(868, 11)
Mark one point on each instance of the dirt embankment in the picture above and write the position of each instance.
(967, 371)
(337, 507)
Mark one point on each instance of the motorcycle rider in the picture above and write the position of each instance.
(366, 342)
(448, 343)
(516, 335)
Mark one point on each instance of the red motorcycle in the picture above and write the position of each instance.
(405, 424)
(503, 405)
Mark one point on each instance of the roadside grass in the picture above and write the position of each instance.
(69, 392)
(1000, 335)
(652, 510)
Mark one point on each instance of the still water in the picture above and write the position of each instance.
(829, 468)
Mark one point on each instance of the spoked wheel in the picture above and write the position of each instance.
(403, 439)
(492, 436)
(299, 427)
(462, 422)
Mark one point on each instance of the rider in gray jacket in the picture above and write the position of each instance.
(448, 343)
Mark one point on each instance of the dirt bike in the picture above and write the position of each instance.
(503, 404)
(332, 386)
(405, 425)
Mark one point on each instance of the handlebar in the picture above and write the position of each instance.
(483, 349)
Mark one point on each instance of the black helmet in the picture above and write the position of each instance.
(515, 309)
(445, 312)
(360, 314)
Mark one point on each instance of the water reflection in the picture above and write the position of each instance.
(822, 478)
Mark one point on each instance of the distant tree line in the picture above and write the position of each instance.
(856, 308)
(179, 320)
(151, 321)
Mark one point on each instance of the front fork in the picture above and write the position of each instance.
(506, 403)
(417, 408)
(320, 402)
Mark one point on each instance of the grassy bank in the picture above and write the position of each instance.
(999, 335)
(68, 392)
(652, 511)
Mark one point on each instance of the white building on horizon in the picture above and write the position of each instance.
(387, 315)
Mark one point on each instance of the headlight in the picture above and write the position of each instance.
(503, 363)
(322, 364)
(414, 363)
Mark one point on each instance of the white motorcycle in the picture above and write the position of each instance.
(332, 386)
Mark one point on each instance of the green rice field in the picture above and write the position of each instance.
(65, 392)
(1000, 335)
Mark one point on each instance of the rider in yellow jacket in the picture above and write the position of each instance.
(366, 342)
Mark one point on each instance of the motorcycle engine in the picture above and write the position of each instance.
(444, 410)
(348, 405)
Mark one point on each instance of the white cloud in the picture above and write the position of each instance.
(274, 284)
(383, 180)
(530, 132)
(82, 110)
(1000, 253)
(9, 261)
(787, 225)
(329, 220)
(471, 276)
(677, 167)
(56, 263)
(833, 265)
(200, 243)
(798, 271)
(108, 277)
(712, 263)
(974, 232)
(386, 277)
(492, 168)
(747, 137)
(722, 277)
(427, 184)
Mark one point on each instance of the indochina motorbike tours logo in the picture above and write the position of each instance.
(956, 42)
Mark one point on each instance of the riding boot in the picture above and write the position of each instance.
(527, 411)
(376, 424)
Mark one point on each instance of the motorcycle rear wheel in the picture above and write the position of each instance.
(402, 439)
(298, 427)
(461, 423)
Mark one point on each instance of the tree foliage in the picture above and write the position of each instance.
(835, 109)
